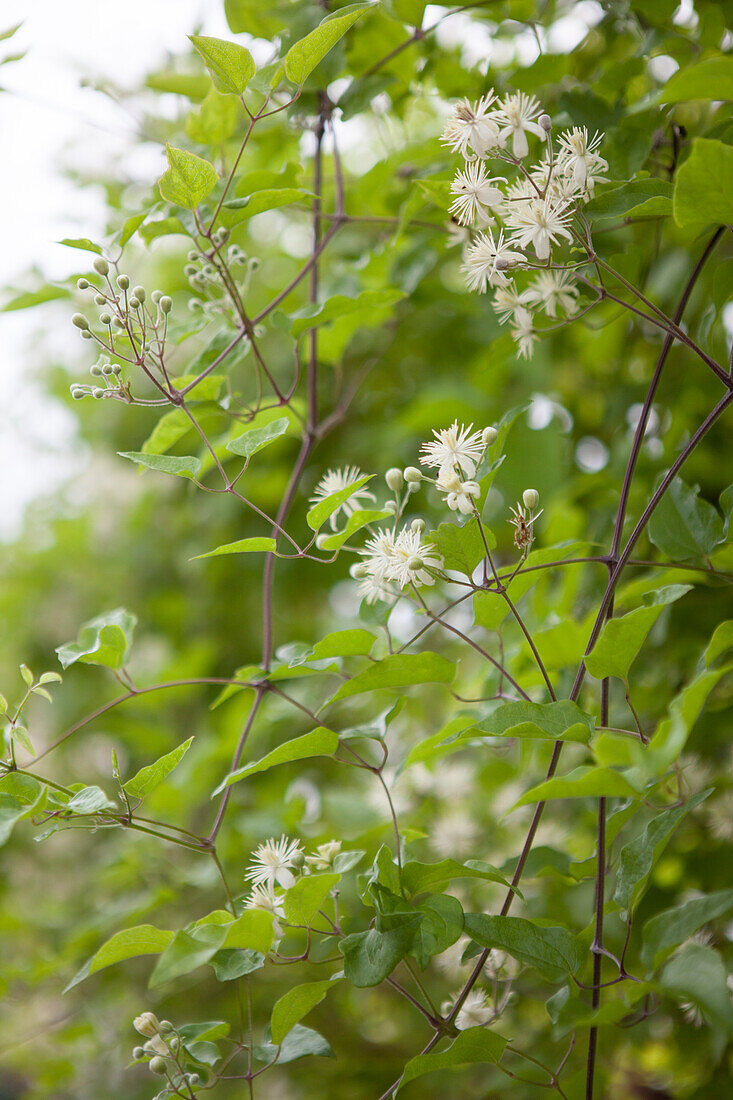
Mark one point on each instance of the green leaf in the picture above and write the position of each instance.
(560, 721)
(637, 198)
(697, 974)
(303, 56)
(419, 877)
(188, 178)
(187, 951)
(27, 300)
(343, 643)
(320, 512)
(231, 963)
(462, 548)
(370, 957)
(319, 742)
(230, 65)
(471, 1046)
(368, 302)
(255, 439)
(184, 466)
(306, 896)
(711, 78)
(683, 526)
(297, 1043)
(721, 641)
(441, 926)
(703, 190)
(244, 546)
(583, 782)
(621, 639)
(356, 521)
(637, 858)
(399, 670)
(253, 931)
(671, 735)
(294, 1005)
(143, 939)
(235, 211)
(170, 428)
(665, 931)
(555, 952)
(148, 778)
(105, 640)
(83, 243)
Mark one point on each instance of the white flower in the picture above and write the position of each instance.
(539, 223)
(373, 587)
(552, 180)
(474, 1012)
(271, 862)
(454, 447)
(264, 897)
(378, 554)
(335, 480)
(552, 289)
(507, 300)
(459, 236)
(324, 855)
(413, 558)
(472, 127)
(475, 191)
(578, 157)
(487, 260)
(459, 493)
(515, 116)
(524, 333)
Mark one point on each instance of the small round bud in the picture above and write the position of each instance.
(77, 392)
(123, 282)
(418, 525)
(412, 474)
(80, 321)
(157, 1065)
(166, 304)
(107, 369)
(138, 1053)
(156, 296)
(359, 570)
(98, 392)
(139, 292)
(96, 370)
(254, 263)
(488, 435)
(174, 1042)
(165, 1027)
(190, 270)
(531, 498)
(394, 478)
(209, 271)
(545, 122)
(297, 859)
(501, 264)
(105, 319)
(146, 1024)
(415, 562)
(100, 299)
(82, 284)
(194, 1079)
(390, 506)
(86, 334)
(192, 256)
(118, 322)
(101, 266)
(116, 368)
(134, 303)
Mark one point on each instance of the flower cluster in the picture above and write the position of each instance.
(517, 223)
(165, 1054)
(274, 868)
(211, 278)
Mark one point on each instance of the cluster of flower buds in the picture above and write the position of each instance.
(162, 1051)
(499, 218)
(210, 277)
(130, 326)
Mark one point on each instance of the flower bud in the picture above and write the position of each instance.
(488, 435)
(415, 562)
(80, 321)
(86, 334)
(138, 1053)
(123, 282)
(194, 304)
(531, 498)
(82, 284)
(156, 296)
(166, 304)
(101, 266)
(254, 263)
(98, 392)
(118, 322)
(359, 570)
(412, 474)
(174, 1042)
(96, 370)
(192, 256)
(418, 525)
(116, 368)
(545, 122)
(134, 303)
(165, 1027)
(190, 270)
(146, 1024)
(297, 859)
(394, 478)
(107, 369)
(77, 392)
(157, 1065)
(501, 263)
(100, 299)
(391, 505)
(139, 292)
(105, 319)
(194, 1079)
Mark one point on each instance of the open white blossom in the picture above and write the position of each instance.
(578, 157)
(373, 587)
(539, 223)
(459, 494)
(413, 559)
(272, 862)
(333, 481)
(324, 855)
(264, 897)
(487, 260)
(457, 446)
(515, 116)
(379, 554)
(552, 289)
(476, 193)
(472, 127)
(524, 333)
(475, 1011)
(507, 300)
(459, 236)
